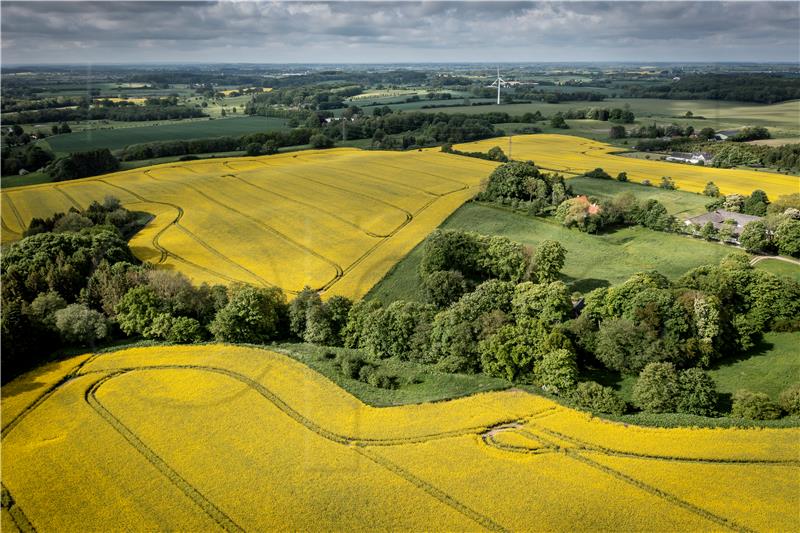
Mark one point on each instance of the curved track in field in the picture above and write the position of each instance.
(543, 441)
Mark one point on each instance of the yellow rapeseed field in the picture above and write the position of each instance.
(335, 220)
(236, 438)
(576, 155)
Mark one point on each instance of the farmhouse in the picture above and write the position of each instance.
(697, 158)
(719, 217)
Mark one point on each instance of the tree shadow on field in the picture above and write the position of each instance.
(584, 285)
(761, 348)
(24, 383)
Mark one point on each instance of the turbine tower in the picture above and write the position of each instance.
(499, 81)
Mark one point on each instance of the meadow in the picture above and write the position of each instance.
(575, 155)
(335, 220)
(119, 137)
(592, 260)
(177, 438)
(780, 118)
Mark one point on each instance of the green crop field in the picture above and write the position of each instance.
(115, 139)
(678, 203)
(592, 260)
(781, 118)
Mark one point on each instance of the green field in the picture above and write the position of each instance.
(781, 118)
(678, 203)
(115, 139)
(592, 260)
(770, 367)
(781, 268)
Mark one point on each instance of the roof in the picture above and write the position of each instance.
(719, 217)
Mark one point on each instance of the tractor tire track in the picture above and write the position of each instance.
(432, 491)
(69, 198)
(576, 454)
(73, 372)
(8, 229)
(310, 206)
(438, 176)
(216, 514)
(176, 223)
(14, 210)
(587, 446)
(267, 227)
(343, 189)
(17, 514)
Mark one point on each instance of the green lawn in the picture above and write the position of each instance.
(34, 178)
(769, 367)
(592, 260)
(678, 203)
(115, 139)
(781, 268)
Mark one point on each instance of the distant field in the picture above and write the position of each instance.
(336, 220)
(678, 203)
(592, 260)
(222, 437)
(576, 155)
(115, 139)
(783, 117)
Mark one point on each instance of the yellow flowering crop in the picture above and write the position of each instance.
(236, 438)
(576, 155)
(336, 220)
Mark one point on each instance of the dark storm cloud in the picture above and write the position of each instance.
(41, 32)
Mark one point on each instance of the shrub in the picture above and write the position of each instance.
(598, 173)
(350, 365)
(382, 379)
(789, 400)
(697, 392)
(594, 397)
(754, 405)
(557, 371)
(622, 176)
(656, 389)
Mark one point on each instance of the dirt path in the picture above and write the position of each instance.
(760, 258)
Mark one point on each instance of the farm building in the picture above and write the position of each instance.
(719, 217)
(698, 158)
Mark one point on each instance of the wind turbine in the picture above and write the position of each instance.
(499, 81)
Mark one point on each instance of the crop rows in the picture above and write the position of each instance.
(313, 218)
(216, 421)
(574, 155)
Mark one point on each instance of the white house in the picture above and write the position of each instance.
(697, 158)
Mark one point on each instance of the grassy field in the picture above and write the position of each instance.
(575, 155)
(177, 437)
(592, 260)
(782, 268)
(770, 367)
(678, 203)
(115, 139)
(782, 119)
(336, 220)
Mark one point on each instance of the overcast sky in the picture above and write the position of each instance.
(340, 32)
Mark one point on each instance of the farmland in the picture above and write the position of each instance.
(177, 437)
(574, 155)
(592, 260)
(780, 118)
(336, 220)
(120, 137)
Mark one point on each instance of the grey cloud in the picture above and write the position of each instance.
(77, 32)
